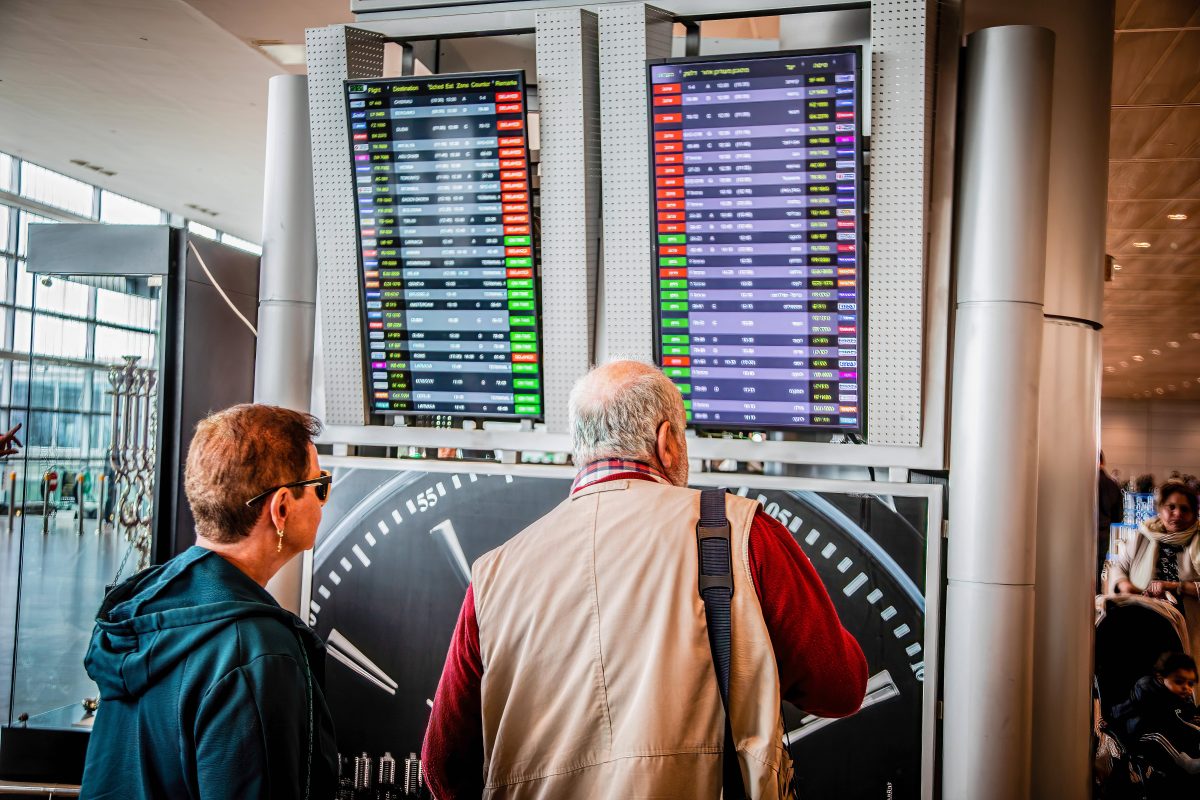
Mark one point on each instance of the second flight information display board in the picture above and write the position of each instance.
(446, 244)
(758, 247)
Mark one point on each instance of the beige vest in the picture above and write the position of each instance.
(598, 680)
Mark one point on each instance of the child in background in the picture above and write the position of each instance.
(1159, 722)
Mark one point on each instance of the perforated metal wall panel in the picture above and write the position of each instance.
(568, 90)
(629, 34)
(335, 54)
(902, 37)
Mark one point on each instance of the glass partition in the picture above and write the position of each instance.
(77, 507)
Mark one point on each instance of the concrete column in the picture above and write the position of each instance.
(1000, 263)
(287, 291)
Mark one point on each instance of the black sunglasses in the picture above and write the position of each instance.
(321, 483)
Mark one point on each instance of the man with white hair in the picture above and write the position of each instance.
(580, 666)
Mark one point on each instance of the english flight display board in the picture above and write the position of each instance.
(757, 225)
(447, 258)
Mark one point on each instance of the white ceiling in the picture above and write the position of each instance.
(170, 96)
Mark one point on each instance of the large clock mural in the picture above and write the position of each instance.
(393, 558)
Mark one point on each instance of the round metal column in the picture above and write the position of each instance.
(1000, 266)
(1064, 614)
(288, 276)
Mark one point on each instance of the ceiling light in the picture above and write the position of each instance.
(1124, 363)
(1142, 245)
(1172, 344)
(1139, 358)
(1116, 267)
(1170, 387)
(1110, 369)
(1146, 393)
(1177, 217)
(1156, 352)
(1159, 390)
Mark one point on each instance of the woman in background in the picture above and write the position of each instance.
(1163, 562)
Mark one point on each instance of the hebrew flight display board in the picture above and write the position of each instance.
(392, 562)
(758, 238)
(446, 245)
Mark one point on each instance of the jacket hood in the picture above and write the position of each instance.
(151, 622)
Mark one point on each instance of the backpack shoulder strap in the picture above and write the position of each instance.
(713, 538)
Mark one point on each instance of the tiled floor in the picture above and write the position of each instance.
(63, 581)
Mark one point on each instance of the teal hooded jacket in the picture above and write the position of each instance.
(208, 689)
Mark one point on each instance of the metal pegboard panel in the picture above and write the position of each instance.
(568, 90)
(335, 54)
(630, 33)
(902, 72)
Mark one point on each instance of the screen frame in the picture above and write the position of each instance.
(534, 233)
(861, 233)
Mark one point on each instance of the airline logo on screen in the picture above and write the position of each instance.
(757, 240)
(445, 231)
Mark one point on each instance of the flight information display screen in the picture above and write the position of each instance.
(757, 236)
(446, 245)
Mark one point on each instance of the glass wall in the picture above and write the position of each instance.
(60, 397)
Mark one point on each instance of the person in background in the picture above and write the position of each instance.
(208, 689)
(580, 666)
(1159, 722)
(1110, 510)
(1143, 484)
(1163, 561)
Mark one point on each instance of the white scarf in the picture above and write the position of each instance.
(1141, 571)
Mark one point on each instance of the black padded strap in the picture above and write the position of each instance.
(716, 589)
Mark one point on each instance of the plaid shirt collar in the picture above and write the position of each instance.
(611, 467)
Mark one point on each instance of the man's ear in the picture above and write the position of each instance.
(666, 446)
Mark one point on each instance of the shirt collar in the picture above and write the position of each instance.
(607, 468)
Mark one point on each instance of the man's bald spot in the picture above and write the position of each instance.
(606, 381)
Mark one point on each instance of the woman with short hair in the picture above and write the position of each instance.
(207, 687)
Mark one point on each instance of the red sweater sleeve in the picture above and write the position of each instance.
(452, 755)
(821, 667)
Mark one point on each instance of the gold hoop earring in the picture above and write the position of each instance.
(279, 544)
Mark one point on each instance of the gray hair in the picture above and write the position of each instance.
(616, 410)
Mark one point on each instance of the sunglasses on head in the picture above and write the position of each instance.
(321, 484)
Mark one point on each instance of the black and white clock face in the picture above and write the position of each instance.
(393, 559)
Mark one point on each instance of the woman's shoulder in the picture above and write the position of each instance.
(260, 636)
